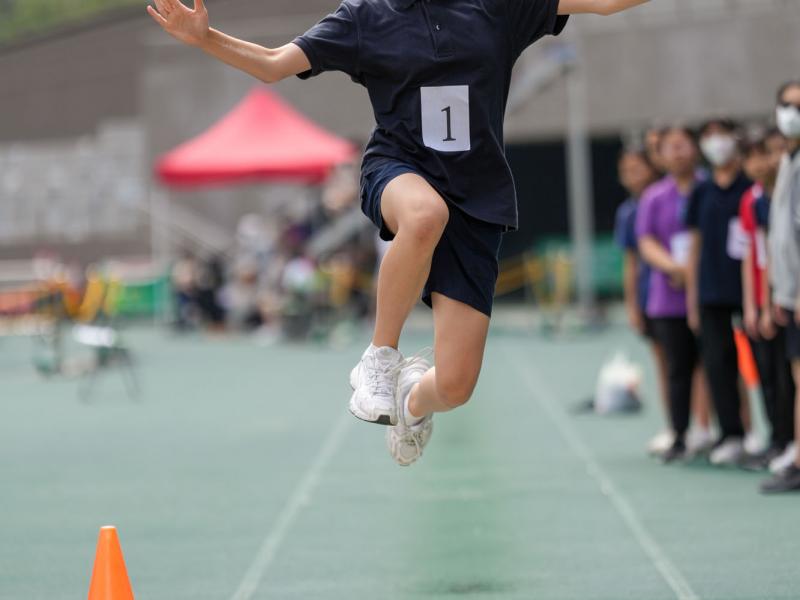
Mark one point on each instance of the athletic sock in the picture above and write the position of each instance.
(411, 420)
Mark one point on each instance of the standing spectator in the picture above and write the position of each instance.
(652, 145)
(715, 279)
(210, 281)
(663, 242)
(636, 174)
(784, 256)
(184, 275)
(769, 350)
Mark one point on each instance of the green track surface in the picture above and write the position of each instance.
(234, 445)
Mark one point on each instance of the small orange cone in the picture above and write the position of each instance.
(109, 577)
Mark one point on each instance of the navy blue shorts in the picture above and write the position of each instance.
(465, 262)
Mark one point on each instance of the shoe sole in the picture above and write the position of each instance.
(385, 420)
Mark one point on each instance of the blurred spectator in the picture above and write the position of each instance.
(636, 174)
(715, 279)
(239, 296)
(784, 262)
(664, 241)
(184, 280)
(652, 144)
(769, 350)
(272, 282)
(210, 279)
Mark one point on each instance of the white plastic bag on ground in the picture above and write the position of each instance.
(617, 388)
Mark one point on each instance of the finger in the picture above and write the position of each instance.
(163, 9)
(156, 16)
(199, 5)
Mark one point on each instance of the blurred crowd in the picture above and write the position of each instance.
(294, 275)
(711, 234)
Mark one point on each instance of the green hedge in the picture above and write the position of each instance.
(21, 18)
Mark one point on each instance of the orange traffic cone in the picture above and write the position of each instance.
(109, 577)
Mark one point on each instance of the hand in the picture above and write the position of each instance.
(188, 26)
(766, 325)
(781, 316)
(636, 320)
(751, 323)
(677, 278)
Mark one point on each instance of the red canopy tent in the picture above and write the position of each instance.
(262, 138)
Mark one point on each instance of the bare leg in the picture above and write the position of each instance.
(701, 399)
(660, 360)
(459, 342)
(744, 409)
(417, 215)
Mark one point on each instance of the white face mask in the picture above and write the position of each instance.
(788, 121)
(719, 149)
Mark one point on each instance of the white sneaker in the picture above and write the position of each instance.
(753, 443)
(699, 441)
(660, 443)
(785, 460)
(374, 383)
(728, 453)
(407, 442)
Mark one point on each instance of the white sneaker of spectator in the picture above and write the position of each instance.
(699, 441)
(753, 443)
(660, 443)
(785, 460)
(728, 453)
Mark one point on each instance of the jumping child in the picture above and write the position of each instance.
(435, 179)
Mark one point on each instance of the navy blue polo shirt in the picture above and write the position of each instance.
(625, 236)
(438, 74)
(762, 211)
(714, 212)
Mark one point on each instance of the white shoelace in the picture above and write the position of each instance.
(379, 374)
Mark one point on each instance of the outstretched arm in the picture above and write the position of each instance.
(191, 27)
(597, 7)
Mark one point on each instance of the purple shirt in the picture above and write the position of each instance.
(661, 215)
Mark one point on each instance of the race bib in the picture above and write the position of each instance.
(445, 118)
(679, 246)
(738, 242)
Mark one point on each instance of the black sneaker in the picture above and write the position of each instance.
(787, 480)
(676, 452)
(760, 462)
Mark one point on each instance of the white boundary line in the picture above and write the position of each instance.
(301, 495)
(543, 396)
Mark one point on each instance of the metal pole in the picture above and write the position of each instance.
(160, 247)
(581, 201)
(155, 250)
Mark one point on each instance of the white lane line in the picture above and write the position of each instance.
(544, 397)
(301, 495)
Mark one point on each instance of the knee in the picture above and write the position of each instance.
(427, 217)
(454, 392)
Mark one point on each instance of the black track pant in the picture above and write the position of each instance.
(680, 347)
(777, 387)
(718, 349)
